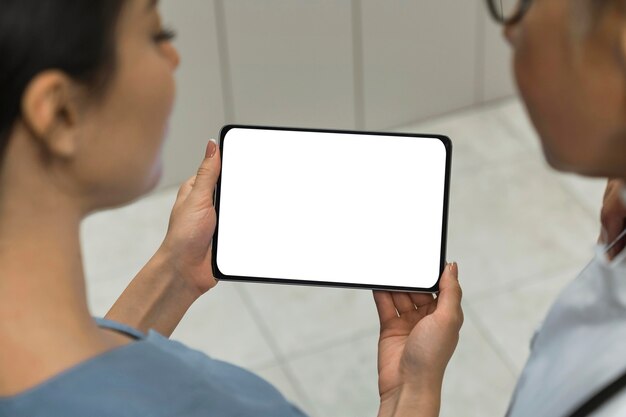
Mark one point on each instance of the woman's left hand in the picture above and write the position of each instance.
(188, 242)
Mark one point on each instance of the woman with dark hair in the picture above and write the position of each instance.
(86, 89)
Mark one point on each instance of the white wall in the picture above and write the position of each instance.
(353, 64)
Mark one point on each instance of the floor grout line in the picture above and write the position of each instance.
(300, 354)
(579, 202)
(461, 111)
(521, 283)
(273, 344)
(486, 334)
(285, 360)
(515, 132)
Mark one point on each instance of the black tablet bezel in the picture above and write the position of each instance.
(444, 230)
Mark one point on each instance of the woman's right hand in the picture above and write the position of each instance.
(418, 335)
(613, 217)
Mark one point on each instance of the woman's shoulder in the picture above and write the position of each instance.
(151, 376)
(166, 355)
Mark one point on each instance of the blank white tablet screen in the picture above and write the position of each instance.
(331, 207)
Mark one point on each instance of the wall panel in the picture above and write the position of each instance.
(497, 72)
(291, 62)
(199, 110)
(419, 59)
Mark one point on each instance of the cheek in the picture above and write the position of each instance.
(154, 104)
(126, 138)
(532, 80)
(537, 99)
(154, 100)
(546, 82)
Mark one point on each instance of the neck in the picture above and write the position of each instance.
(40, 260)
(45, 325)
(41, 280)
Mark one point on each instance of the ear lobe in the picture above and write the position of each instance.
(50, 114)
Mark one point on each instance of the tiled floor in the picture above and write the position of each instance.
(519, 231)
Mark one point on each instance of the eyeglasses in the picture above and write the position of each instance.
(508, 12)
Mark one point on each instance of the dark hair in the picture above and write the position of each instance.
(73, 36)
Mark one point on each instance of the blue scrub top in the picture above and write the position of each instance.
(153, 376)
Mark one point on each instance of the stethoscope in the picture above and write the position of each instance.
(605, 394)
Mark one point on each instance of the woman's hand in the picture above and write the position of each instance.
(187, 244)
(180, 271)
(613, 217)
(418, 335)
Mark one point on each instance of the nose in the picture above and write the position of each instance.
(172, 54)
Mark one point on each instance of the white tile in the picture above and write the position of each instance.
(413, 65)
(103, 290)
(199, 111)
(478, 135)
(511, 317)
(513, 113)
(125, 238)
(118, 243)
(477, 383)
(341, 380)
(291, 62)
(514, 221)
(516, 228)
(588, 191)
(303, 319)
(220, 325)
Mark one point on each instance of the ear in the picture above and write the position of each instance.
(50, 112)
(621, 48)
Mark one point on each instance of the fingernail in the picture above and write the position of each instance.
(454, 269)
(211, 148)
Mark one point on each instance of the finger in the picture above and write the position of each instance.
(616, 250)
(183, 193)
(424, 303)
(185, 189)
(421, 299)
(610, 185)
(430, 308)
(613, 224)
(208, 173)
(450, 293)
(613, 213)
(403, 302)
(618, 246)
(384, 305)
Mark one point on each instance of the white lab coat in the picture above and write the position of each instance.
(580, 347)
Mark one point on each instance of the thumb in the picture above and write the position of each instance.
(208, 173)
(450, 293)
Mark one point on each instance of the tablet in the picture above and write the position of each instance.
(332, 208)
